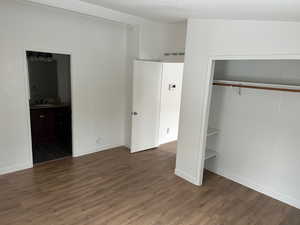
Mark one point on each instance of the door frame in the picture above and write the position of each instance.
(27, 95)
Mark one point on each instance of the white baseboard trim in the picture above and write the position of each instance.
(15, 168)
(186, 176)
(259, 188)
(97, 149)
(18, 167)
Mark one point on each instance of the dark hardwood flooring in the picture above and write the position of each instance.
(115, 187)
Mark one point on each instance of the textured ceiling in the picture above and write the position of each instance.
(177, 10)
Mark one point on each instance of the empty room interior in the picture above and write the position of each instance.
(149, 113)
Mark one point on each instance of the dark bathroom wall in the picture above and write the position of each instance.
(43, 80)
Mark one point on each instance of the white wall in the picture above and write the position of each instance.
(170, 102)
(98, 59)
(207, 38)
(157, 39)
(264, 71)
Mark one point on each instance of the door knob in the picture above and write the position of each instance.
(134, 113)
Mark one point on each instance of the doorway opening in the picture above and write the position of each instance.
(156, 105)
(50, 105)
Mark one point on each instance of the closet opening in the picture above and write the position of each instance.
(254, 108)
(49, 76)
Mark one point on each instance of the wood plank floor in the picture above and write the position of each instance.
(117, 188)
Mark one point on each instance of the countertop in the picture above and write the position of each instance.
(48, 106)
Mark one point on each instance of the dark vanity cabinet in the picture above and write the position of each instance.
(50, 124)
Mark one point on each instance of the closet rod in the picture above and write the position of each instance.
(255, 87)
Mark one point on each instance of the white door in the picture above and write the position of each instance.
(146, 105)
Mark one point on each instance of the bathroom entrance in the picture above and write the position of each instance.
(50, 105)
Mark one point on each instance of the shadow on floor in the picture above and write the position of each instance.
(50, 151)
